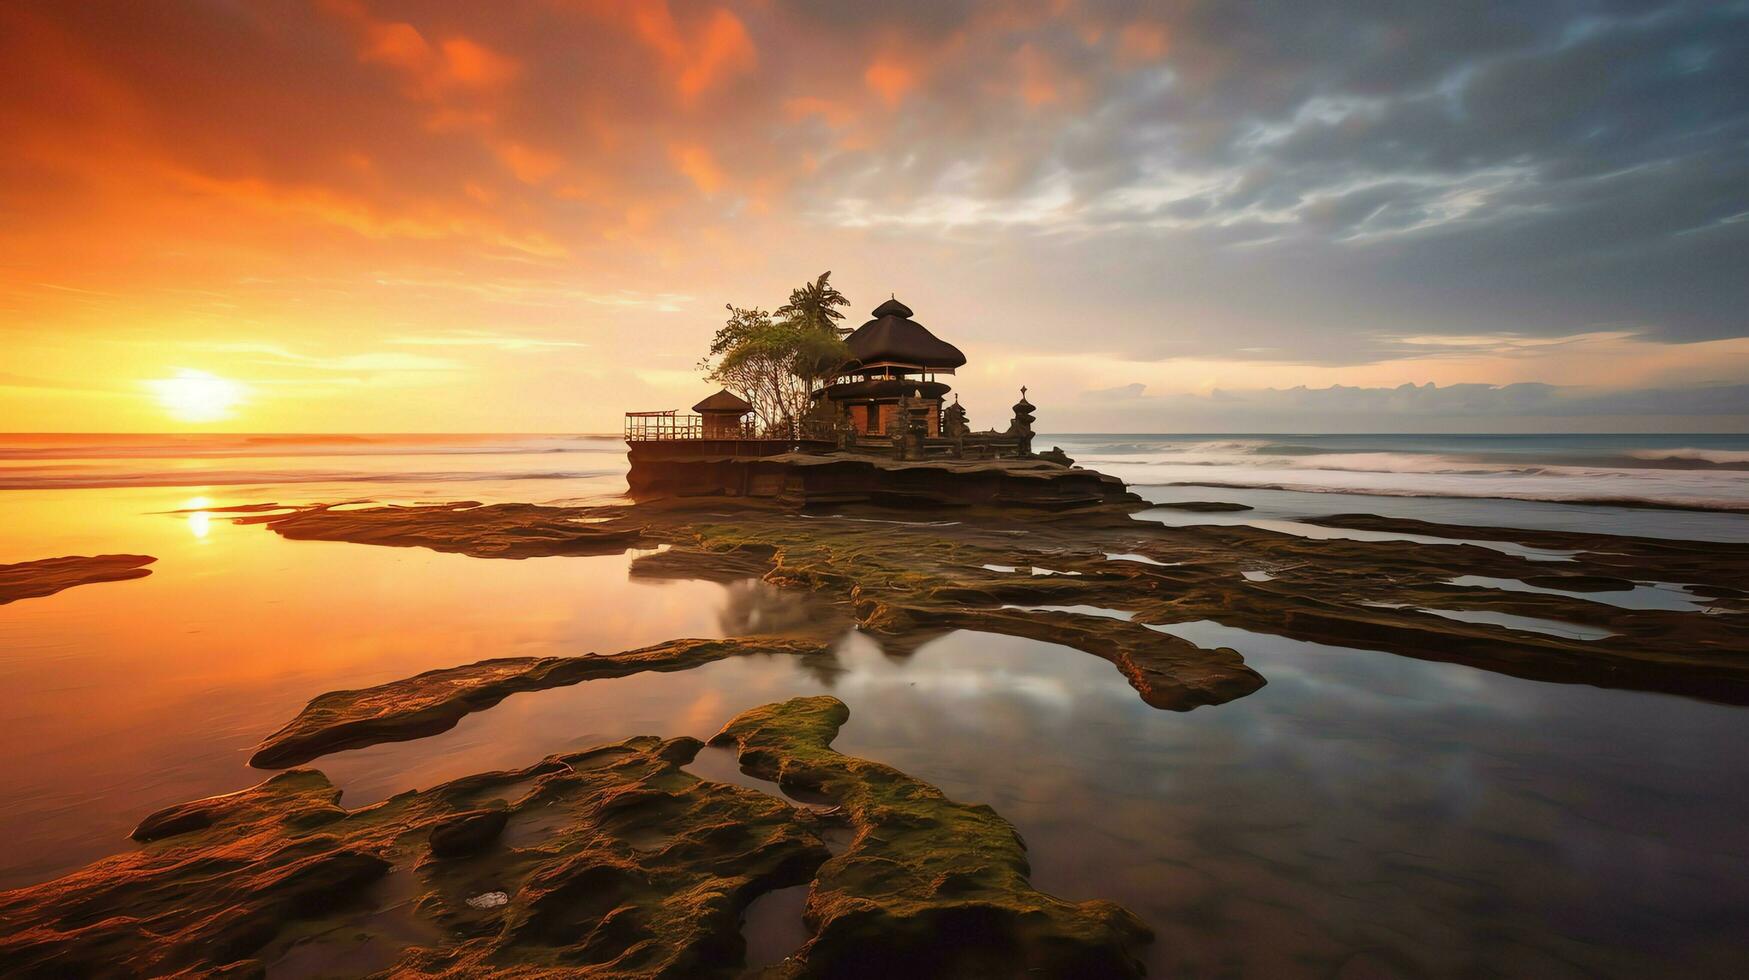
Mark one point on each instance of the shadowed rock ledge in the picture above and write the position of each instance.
(467, 527)
(435, 701)
(611, 862)
(45, 577)
(928, 887)
(836, 479)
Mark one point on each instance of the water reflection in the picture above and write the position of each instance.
(200, 523)
(1318, 532)
(125, 697)
(1528, 624)
(1654, 595)
(1362, 811)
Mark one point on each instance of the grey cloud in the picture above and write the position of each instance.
(1121, 393)
(1458, 400)
(1535, 168)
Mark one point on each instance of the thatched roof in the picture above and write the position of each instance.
(893, 337)
(724, 401)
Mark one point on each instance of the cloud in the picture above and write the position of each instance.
(1386, 406)
(368, 362)
(1301, 182)
(474, 338)
(1121, 393)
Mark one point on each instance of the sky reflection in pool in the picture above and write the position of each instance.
(1658, 595)
(1362, 812)
(1528, 624)
(1177, 518)
(1424, 817)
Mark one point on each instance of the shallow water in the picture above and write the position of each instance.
(1433, 814)
(1301, 529)
(1362, 812)
(1654, 595)
(1287, 505)
(1527, 624)
(124, 697)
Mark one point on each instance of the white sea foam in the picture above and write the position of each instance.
(1723, 457)
(1512, 468)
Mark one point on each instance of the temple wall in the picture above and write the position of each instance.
(888, 418)
(721, 426)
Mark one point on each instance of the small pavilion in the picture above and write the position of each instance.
(722, 415)
(893, 357)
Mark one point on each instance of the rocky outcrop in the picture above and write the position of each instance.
(1204, 506)
(34, 579)
(611, 862)
(814, 480)
(928, 887)
(906, 577)
(435, 701)
(468, 833)
(489, 531)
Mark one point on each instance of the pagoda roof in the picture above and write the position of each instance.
(892, 337)
(724, 401)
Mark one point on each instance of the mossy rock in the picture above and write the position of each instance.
(929, 887)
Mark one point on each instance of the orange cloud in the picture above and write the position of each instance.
(700, 58)
(473, 65)
(697, 164)
(1141, 42)
(418, 220)
(456, 63)
(531, 166)
(890, 79)
(1038, 77)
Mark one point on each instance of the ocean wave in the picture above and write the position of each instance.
(1716, 457)
(1338, 461)
(1235, 447)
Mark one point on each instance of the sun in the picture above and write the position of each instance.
(197, 396)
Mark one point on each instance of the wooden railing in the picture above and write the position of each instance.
(664, 426)
(672, 426)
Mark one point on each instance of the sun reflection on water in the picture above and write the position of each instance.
(200, 522)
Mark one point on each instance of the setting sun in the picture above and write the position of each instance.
(197, 396)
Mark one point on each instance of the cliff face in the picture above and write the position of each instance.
(803, 480)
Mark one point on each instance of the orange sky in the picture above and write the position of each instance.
(352, 215)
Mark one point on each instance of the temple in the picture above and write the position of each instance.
(883, 412)
(893, 358)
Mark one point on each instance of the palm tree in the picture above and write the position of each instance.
(814, 305)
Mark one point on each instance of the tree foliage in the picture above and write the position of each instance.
(776, 364)
(814, 305)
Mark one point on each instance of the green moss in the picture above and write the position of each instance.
(616, 863)
(929, 887)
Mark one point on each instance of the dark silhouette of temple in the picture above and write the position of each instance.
(893, 357)
(887, 400)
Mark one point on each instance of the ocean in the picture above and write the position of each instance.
(1702, 471)
(1681, 486)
